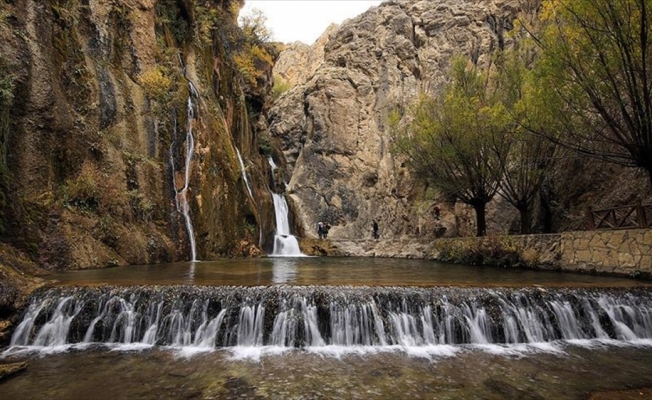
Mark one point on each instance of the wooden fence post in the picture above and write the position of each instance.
(589, 217)
(640, 215)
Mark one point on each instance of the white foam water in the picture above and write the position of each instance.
(285, 244)
(333, 321)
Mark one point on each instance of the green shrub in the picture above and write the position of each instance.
(142, 207)
(280, 86)
(83, 191)
(157, 84)
(492, 250)
(265, 145)
(7, 85)
(91, 190)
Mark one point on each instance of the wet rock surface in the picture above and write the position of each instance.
(7, 370)
(95, 140)
(18, 278)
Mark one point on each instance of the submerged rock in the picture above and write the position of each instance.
(7, 370)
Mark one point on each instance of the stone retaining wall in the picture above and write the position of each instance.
(622, 252)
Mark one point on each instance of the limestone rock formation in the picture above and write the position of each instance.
(299, 61)
(332, 126)
(95, 117)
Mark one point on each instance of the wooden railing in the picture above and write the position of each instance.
(637, 216)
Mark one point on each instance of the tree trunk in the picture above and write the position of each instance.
(480, 218)
(545, 210)
(526, 219)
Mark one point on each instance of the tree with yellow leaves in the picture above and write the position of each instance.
(254, 57)
(451, 140)
(596, 66)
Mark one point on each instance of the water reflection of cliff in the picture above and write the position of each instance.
(284, 270)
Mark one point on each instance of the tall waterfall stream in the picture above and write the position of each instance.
(285, 244)
(182, 204)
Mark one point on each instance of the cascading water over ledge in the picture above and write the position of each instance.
(285, 244)
(318, 317)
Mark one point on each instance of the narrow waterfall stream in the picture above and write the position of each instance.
(182, 204)
(244, 173)
(251, 195)
(272, 163)
(333, 317)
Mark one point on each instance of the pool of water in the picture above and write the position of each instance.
(306, 271)
(557, 369)
(572, 372)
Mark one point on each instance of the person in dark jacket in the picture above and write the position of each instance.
(374, 227)
(437, 213)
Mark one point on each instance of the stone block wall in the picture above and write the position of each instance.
(619, 252)
(615, 252)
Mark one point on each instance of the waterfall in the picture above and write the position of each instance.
(285, 244)
(251, 195)
(319, 317)
(272, 163)
(244, 173)
(182, 203)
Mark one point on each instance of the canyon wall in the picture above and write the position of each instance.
(333, 126)
(101, 103)
(333, 131)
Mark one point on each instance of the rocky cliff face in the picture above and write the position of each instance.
(98, 99)
(298, 61)
(332, 126)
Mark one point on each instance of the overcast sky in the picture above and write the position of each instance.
(305, 20)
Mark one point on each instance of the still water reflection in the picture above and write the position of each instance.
(331, 271)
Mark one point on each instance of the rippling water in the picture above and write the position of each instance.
(573, 372)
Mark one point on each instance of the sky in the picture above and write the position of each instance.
(305, 20)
